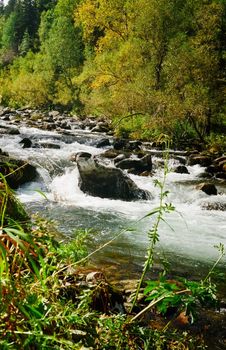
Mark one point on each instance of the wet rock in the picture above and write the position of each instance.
(75, 157)
(54, 114)
(205, 175)
(220, 159)
(4, 111)
(222, 165)
(119, 158)
(65, 126)
(110, 154)
(199, 159)
(214, 206)
(89, 123)
(13, 131)
(221, 175)
(2, 153)
(13, 208)
(100, 127)
(48, 126)
(208, 188)
(181, 160)
(9, 130)
(102, 181)
(103, 143)
(181, 169)
(146, 173)
(49, 145)
(212, 169)
(26, 142)
(120, 144)
(134, 145)
(18, 171)
(138, 165)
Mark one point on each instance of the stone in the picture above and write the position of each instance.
(54, 114)
(110, 154)
(212, 169)
(119, 158)
(181, 160)
(103, 143)
(26, 142)
(199, 159)
(49, 145)
(134, 145)
(119, 144)
(221, 175)
(220, 159)
(139, 165)
(9, 131)
(107, 182)
(17, 172)
(214, 206)
(74, 157)
(181, 169)
(100, 127)
(208, 188)
(222, 165)
(13, 131)
(13, 208)
(205, 175)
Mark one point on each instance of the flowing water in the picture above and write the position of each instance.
(187, 238)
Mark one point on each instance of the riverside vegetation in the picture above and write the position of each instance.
(148, 66)
(52, 298)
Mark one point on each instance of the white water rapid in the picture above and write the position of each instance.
(190, 232)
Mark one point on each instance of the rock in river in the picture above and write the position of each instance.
(107, 182)
(17, 172)
(208, 188)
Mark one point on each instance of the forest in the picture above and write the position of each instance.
(151, 66)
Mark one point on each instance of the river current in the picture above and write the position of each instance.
(187, 237)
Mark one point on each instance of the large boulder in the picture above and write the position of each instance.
(16, 172)
(107, 182)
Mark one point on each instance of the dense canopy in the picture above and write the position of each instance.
(158, 66)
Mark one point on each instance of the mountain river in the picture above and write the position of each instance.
(187, 237)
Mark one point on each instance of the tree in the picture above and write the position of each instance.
(62, 45)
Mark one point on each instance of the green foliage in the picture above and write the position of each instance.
(185, 296)
(156, 60)
(77, 248)
(133, 68)
(47, 76)
(216, 143)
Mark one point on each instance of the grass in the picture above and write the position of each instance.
(49, 301)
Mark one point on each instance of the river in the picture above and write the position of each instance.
(187, 237)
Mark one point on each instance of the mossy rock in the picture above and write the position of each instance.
(10, 208)
(16, 172)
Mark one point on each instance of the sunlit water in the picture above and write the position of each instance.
(188, 237)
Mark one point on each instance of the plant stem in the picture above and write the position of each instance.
(149, 261)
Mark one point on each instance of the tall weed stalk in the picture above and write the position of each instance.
(153, 233)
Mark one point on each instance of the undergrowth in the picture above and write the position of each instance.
(51, 300)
